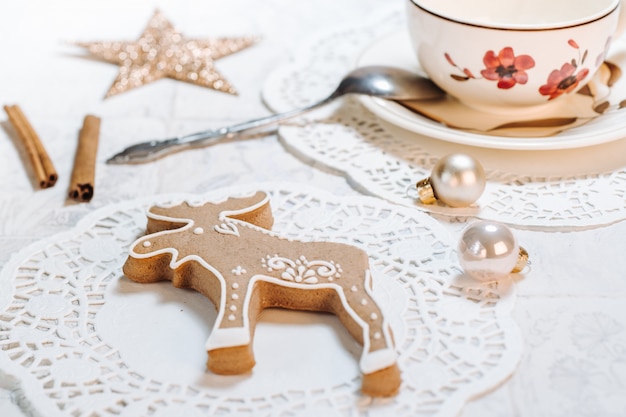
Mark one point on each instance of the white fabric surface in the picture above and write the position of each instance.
(571, 303)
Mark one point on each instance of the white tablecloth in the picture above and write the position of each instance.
(571, 303)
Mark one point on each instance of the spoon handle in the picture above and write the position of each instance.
(154, 149)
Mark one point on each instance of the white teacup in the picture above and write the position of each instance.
(512, 55)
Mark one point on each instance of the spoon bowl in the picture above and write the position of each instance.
(389, 83)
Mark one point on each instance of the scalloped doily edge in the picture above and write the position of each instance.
(31, 401)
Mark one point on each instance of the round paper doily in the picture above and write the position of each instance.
(569, 188)
(79, 339)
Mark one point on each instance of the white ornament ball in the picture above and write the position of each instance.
(488, 250)
(458, 180)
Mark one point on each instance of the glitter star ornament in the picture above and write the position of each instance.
(163, 52)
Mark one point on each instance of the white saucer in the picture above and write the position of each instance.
(395, 50)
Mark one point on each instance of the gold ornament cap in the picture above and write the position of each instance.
(425, 191)
(522, 261)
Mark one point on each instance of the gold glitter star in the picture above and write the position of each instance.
(163, 52)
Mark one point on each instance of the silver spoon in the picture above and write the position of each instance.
(378, 81)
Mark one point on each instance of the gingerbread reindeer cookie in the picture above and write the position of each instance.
(226, 252)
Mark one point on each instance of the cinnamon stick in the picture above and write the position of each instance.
(82, 182)
(45, 173)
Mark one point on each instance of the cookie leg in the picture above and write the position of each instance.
(381, 376)
(231, 361)
(230, 343)
(229, 349)
(383, 383)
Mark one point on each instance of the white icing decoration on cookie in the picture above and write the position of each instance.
(231, 317)
(238, 271)
(300, 270)
(235, 297)
(147, 244)
(373, 360)
(233, 308)
(198, 231)
(374, 316)
(364, 302)
(227, 228)
(234, 286)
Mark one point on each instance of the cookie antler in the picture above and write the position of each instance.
(255, 207)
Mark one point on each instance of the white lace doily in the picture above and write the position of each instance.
(545, 189)
(78, 339)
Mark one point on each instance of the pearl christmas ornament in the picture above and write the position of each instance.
(457, 180)
(488, 250)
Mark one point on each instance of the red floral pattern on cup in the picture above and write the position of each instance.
(509, 70)
(505, 67)
(565, 80)
(562, 81)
